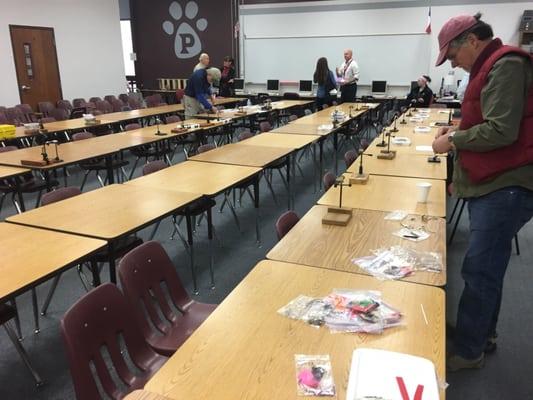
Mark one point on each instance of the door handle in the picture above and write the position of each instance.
(25, 87)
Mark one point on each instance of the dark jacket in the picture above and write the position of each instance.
(225, 87)
(426, 94)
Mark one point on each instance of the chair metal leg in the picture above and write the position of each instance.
(211, 253)
(23, 354)
(454, 210)
(50, 294)
(100, 179)
(84, 180)
(269, 185)
(456, 222)
(232, 209)
(133, 168)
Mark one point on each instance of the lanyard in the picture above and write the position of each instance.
(346, 68)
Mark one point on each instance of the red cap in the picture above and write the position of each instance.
(451, 29)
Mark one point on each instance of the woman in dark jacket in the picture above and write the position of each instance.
(422, 94)
(226, 79)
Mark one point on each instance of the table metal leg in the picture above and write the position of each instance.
(256, 205)
(109, 166)
(191, 252)
(112, 263)
(335, 152)
(211, 254)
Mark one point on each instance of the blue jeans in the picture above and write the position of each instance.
(494, 221)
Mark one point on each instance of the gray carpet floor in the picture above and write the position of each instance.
(505, 376)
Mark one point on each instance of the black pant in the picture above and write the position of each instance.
(348, 93)
(324, 100)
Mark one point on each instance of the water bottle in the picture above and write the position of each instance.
(248, 103)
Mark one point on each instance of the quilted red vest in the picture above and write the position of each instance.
(484, 166)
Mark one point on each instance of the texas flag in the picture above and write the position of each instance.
(428, 26)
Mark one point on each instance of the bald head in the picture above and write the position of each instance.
(204, 59)
(348, 53)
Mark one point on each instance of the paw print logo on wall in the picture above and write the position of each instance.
(187, 42)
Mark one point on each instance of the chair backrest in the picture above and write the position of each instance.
(65, 105)
(95, 99)
(265, 126)
(324, 106)
(79, 102)
(152, 101)
(134, 103)
(104, 106)
(82, 136)
(285, 223)
(349, 157)
(172, 119)
(15, 116)
(27, 111)
(99, 320)
(46, 120)
(293, 117)
(142, 273)
(45, 107)
(59, 194)
(132, 126)
(154, 166)
(3, 118)
(205, 147)
(328, 180)
(307, 111)
(123, 97)
(110, 97)
(245, 135)
(117, 105)
(59, 114)
(291, 96)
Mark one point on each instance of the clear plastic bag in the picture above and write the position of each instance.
(296, 307)
(313, 375)
(396, 215)
(360, 311)
(308, 309)
(415, 235)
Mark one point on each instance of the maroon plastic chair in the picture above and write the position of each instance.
(110, 97)
(95, 99)
(79, 102)
(104, 106)
(59, 114)
(179, 95)
(117, 105)
(205, 147)
(65, 105)
(132, 126)
(285, 223)
(265, 126)
(151, 101)
(8, 313)
(28, 113)
(134, 103)
(46, 120)
(102, 319)
(3, 119)
(82, 135)
(172, 119)
(59, 194)
(45, 107)
(154, 166)
(328, 180)
(245, 135)
(15, 116)
(123, 97)
(293, 117)
(349, 157)
(146, 273)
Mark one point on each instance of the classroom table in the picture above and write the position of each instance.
(389, 193)
(108, 213)
(261, 156)
(404, 165)
(245, 349)
(12, 172)
(417, 139)
(308, 128)
(144, 395)
(312, 243)
(209, 179)
(31, 256)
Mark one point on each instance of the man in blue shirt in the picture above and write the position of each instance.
(198, 90)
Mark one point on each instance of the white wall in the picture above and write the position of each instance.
(345, 17)
(89, 48)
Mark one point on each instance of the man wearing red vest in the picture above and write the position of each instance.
(493, 171)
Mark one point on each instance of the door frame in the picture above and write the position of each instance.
(11, 28)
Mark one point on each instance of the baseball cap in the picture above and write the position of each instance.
(451, 29)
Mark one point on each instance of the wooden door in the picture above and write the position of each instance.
(34, 52)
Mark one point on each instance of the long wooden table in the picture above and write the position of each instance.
(245, 349)
(108, 213)
(239, 154)
(312, 243)
(402, 165)
(388, 193)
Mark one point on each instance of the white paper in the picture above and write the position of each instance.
(424, 148)
(401, 141)
(422, 129)
(374, 372)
